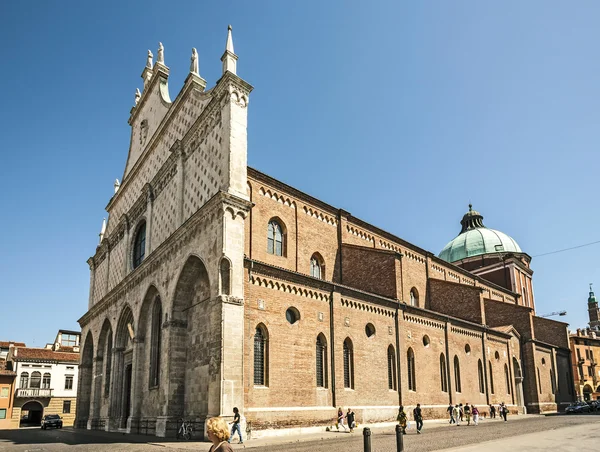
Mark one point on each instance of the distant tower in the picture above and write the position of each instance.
(593, 310)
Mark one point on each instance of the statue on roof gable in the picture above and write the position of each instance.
(149, 59)
(160, 58)
(194, 62)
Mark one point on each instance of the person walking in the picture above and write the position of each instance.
(418, 417)
(235, 426)
(460, 407)
(456, 414)
(475, 413)
(467, 410)
(340, 419)
(450, 410)
(492, 411)
(503, 411)
(350, 418)
(402, 419)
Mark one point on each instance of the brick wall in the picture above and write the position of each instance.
(551, 332)
(457, 300)
(370, 270)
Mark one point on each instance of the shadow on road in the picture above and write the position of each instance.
(73, 436)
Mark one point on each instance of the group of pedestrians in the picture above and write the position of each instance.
(402, 418)
(349, 417)
(459, 413)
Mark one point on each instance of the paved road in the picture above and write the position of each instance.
(446, 436)
(433, 438)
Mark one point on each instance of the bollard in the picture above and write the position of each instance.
(399, 439)
(367, 439)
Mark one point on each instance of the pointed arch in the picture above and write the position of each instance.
(321, 361)
(317, 266)
(188, 353)
(443, 373)
(276, 237)
(412, 377)
(480, 376)
(348, 355)
(261, 355)
(391, 359)
(225, 276)
(457, 382)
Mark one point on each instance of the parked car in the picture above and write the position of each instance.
(52, 420)
(578, 407)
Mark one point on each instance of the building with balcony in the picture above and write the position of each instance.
(46, 380)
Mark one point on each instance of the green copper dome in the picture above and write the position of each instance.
(475, 239)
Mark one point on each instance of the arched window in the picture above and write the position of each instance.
(410, 362)
(317, 269)
(275, 238)
(155, 343)
(443, 373)
(414, 297)
(321, 363)
(24, 380)
(225, 272)
(108, 369)
(36, 380)
(539, 379)
(480, 375)
(391, 355)
(139, 245)
(507, 379)
(491, 377)
(46, 381)
(348, 364)
(261, 353)
(457, 385)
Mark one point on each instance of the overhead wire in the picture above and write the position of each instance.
(567, 249)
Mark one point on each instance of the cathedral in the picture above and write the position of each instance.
(215, 285)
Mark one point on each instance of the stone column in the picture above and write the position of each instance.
(116, 390)
(96, 392)
(136, 383)
(108, 249)
(126, 238)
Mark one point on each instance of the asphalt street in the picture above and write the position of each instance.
(436, 437)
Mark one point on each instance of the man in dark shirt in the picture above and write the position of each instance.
(418, 417)
(235, 426)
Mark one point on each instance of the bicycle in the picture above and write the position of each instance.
(185, 430)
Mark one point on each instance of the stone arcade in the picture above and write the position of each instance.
(215, 285)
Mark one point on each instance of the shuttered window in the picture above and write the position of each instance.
(410, 360)
(348, 364)
(391, 355)
(321, 362)
(260, 354)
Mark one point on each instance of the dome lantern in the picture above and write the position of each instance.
(476, 239)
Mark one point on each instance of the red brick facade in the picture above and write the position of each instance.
(453, 316)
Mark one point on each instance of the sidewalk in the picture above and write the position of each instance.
(271, 437)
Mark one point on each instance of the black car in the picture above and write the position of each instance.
(578, 407)
(51, 420)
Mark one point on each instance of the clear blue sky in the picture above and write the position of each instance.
(399, 112)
